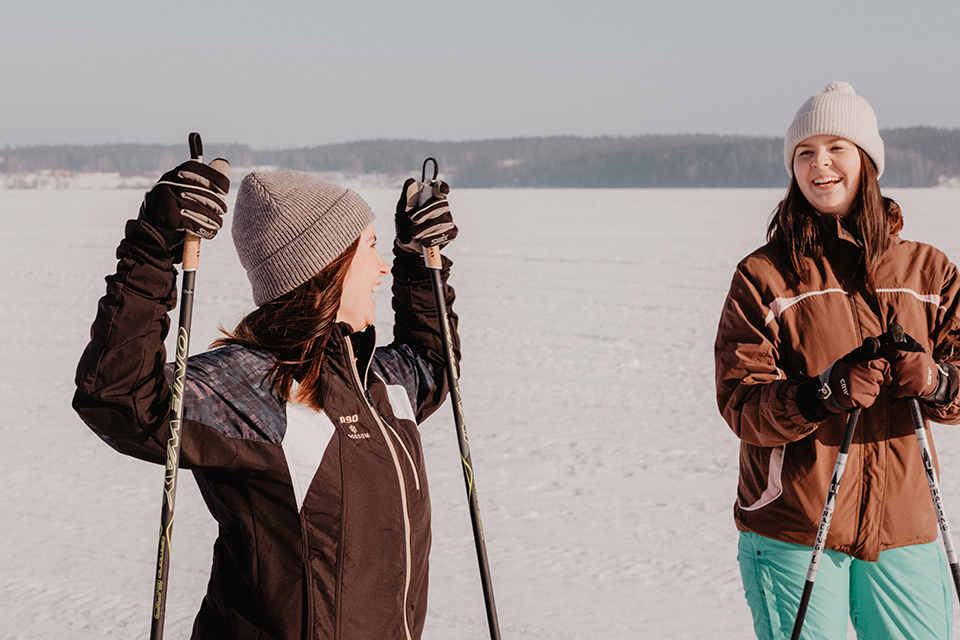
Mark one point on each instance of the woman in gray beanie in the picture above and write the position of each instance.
(837, 312)
(301, 432)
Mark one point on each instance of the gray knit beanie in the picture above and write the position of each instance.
(288, 226)
(838, 111)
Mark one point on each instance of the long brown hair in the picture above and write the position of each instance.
(295, 328)
(795, 230)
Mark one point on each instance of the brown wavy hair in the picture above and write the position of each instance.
(295, 328)
(794, 228)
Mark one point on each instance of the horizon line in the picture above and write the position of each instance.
(9, 147)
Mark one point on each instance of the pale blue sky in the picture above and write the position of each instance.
(287, 74)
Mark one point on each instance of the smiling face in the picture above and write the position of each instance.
(827, 168)
(362, 280)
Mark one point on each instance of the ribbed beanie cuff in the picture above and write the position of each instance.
(288, 226)
(838, 111)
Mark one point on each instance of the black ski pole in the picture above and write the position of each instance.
(918, 425)
(191, 260)
(431, 256)
(818, 545)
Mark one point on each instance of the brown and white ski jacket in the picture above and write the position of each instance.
(324, 517)
(774, 334)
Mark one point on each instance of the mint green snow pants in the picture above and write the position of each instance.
(906, 594)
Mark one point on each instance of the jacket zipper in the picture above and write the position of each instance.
(403, 488)
(416, 475)
(366, 392)
(308, 576)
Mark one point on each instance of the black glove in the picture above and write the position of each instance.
(188, 198)
(430, 225)
(851, 382)
(914, 372)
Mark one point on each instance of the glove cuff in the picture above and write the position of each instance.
(812, 402)
(947, 387)
(172, 238)
(412, 248)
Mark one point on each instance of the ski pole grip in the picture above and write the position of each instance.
(191, 243)
(191, 251)
(431, 255)
(221, 165)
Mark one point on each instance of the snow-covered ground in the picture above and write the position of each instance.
(606, 476)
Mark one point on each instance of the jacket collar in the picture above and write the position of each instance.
(833, 226)
(361, 344)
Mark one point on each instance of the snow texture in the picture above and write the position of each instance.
(606, 476)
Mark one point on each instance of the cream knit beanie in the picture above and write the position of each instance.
(288, 226)
(838, 111)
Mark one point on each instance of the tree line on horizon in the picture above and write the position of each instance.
(915, 157)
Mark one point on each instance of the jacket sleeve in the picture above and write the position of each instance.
(122, 391)
(416, 353)
(754, 395)
(946, 340)
(123, 382)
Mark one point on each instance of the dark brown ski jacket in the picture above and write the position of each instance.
(773, 334)
(324, 518)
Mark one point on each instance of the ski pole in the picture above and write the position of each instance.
(191, 260)
(818, 545)
(918, 425)
(431, 256)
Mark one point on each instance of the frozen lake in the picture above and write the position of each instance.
(606, 476)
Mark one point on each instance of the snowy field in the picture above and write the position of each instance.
(606, 476)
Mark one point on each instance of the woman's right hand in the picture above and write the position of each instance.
(187, 198)
(851, 382)
(854, 380)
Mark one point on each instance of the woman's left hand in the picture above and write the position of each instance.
(914, 373)
(427, 225)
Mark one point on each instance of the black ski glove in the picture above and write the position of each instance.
(188, 198)
(430, 225)
(914, 372)
(851, 382)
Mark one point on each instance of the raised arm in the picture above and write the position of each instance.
(416, 354)
(123, 392)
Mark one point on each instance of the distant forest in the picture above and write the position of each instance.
(915, 157)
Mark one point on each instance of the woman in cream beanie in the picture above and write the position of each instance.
(836, 313)
(301, 432)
